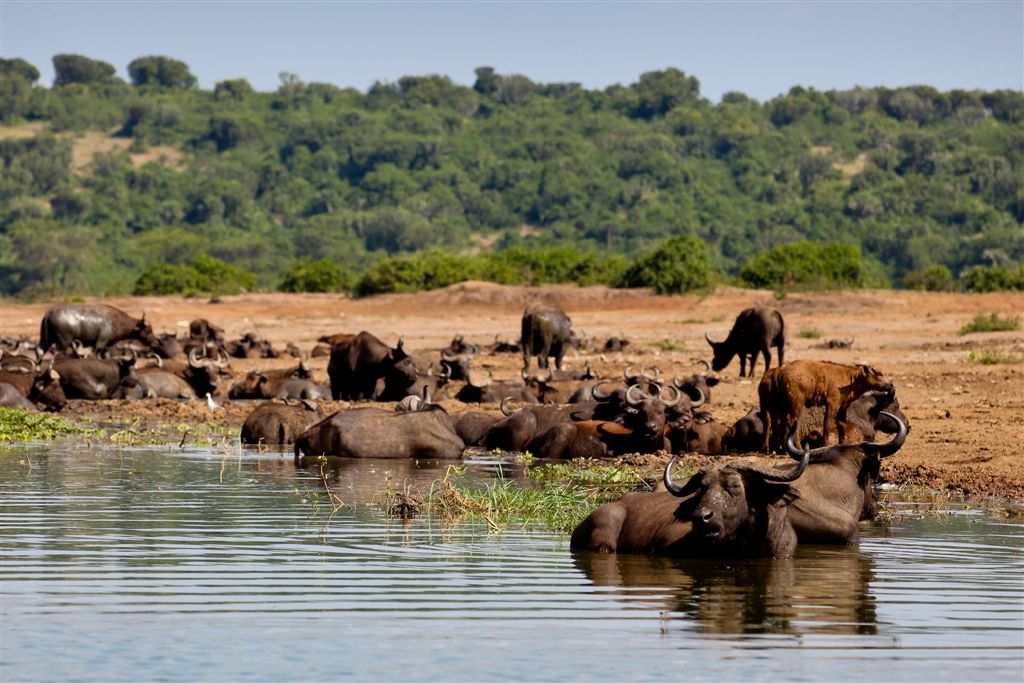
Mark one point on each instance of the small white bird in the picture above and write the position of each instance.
(211, 403)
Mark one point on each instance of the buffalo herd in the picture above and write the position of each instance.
(735, 508)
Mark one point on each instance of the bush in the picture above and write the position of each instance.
(807, 266)
(202, 274)
(990, 323)
(934, 278)
(523, 265)
(679, 264)
(317, 276)
(993, 279)
(426, 270)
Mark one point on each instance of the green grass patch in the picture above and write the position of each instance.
(667, 345)
(19, 425)
(809, 333)
(991, 323)
(990, 357)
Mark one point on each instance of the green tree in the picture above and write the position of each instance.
(679, 264)
(161, 71)
(317, 276)
(70, 69)
(807, 265)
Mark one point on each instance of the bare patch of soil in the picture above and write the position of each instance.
(968, 418)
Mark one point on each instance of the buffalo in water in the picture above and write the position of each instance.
(374, 433)
(755, 331)
(93, 325)
(546, 331)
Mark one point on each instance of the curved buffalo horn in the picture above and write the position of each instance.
(446, 372)
(773, 473)
(632, 400)
(303, 365)
(504, 405)
(697, 403)
(628, 373)
(886, 449)
(656, 370)
(673, 488)
(222, 359)
(401, 344)
(426, 395)
(709, 339)
(599, 396)
(706, 364)
(796, 452)
(158, 359)
(448, 354)
(194, 359)
(673, 402)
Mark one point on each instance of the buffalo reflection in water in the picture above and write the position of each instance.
(825, 589)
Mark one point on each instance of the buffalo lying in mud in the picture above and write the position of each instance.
(755, 331)
(373, 433)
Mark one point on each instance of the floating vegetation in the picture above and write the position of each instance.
(20, 425)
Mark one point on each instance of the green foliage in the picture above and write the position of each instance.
(912, 176)
(427, 270)
(680, 264)
(160, 71)
(317, 276)
(18, 425)
(993, 279)
(990, 323)
(807, 265)
(202, 273)
(993, 357)
(933, 278)
(69, 69)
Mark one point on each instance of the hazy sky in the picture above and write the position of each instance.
(757, 48)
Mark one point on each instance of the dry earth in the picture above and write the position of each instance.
(968, 432)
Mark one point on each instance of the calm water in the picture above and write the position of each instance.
(150, 565)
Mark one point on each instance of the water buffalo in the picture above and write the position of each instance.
(785, 391)
(755, 331)
(374, 433)
(732, 509)
(154, 383)
(486, 390)
(279, 423)
(546, 331)
(837, 491)
(10, 397)
(204, 374)
(92, 378)
(203, 329)
(94, 325)
(358, 364)
(41, 388)
(457, 357)
(746, 435)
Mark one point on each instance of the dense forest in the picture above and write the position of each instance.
(157, 185)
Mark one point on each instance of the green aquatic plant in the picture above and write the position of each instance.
(20, 425)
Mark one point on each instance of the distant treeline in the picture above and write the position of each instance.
(155, 185)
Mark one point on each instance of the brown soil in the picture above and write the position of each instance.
(968, 432)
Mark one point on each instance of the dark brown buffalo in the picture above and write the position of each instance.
(92, 378)
(755, 331)
(457, 358)
(784, 392)
(735, 509)
(373, 433)
(485, 390)
(473, 426)
(703, 435)
(250, 345)
(545, 331)
(94, 325)
(205, 374)
(279, 423)
(746, 435)
(837, 491)
(41, 388)
(357, 365)
(518, 428)
(701, 381)
(203, 329)
(291, 383)
(154, 382)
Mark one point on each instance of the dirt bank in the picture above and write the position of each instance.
(968, 418)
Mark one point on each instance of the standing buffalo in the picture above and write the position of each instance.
(358, 364)
(546, 331)
(93, 325)
(784, 392)
(755, 331)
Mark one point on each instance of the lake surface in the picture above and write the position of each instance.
(157, 564)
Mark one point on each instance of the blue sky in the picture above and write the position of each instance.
(757, 48)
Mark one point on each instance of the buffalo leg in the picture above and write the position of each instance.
(743, 365)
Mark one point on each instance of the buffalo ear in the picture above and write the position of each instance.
(712, 381)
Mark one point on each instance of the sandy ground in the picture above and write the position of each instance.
(968, 418)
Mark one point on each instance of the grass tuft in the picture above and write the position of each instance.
(991, 323)
(990, 357)
(809, 333)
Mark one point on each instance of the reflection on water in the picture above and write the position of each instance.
(162, 564)
(825, 590)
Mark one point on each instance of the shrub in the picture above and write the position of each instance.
(934, 278)
(202, 274)
(523, 265)
(679, 264)
(427, 270)
(990, 323)
(993, 279)
(317, 276)
(807, 266)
